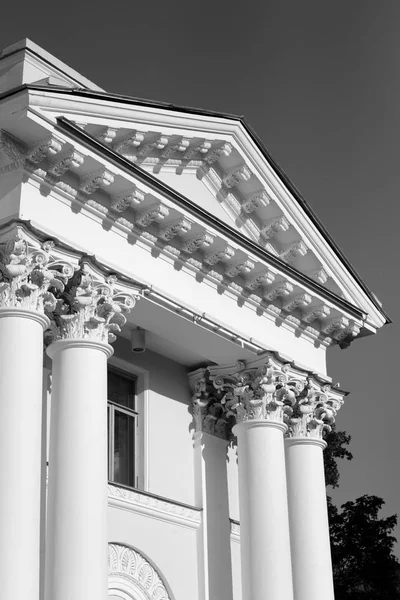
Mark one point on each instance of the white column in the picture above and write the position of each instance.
(77, 536)
(77, 497)
(308, 514)
(264, 526)
(21, 368)
(210, 454)
(28, 270)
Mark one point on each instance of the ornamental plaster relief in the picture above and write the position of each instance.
(129, 565)
(78, 299)
(164, 510)
(184, 240)
(31, 274)
(265, 389)
(91, 307)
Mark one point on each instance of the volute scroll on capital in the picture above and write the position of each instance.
(92, 307)
(267, 391)
(32, 275)
(79, 300)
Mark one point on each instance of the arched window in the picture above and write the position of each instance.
(132, 577)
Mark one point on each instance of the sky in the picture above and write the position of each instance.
(319, 81)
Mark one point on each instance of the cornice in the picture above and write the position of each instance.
(161, 218)
(154, 506)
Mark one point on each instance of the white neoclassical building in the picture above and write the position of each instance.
(167, 300)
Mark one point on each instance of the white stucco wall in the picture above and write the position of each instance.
(190, 186)
(168, 444)
(171, 547)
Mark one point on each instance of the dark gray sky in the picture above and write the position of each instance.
(319, 81)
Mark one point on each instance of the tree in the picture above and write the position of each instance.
(336, 440)
(364, 566)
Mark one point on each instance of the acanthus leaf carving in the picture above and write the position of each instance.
(179, 226)
(158, 143)
(91, 307)
(294, 250)
(222, 149)
(313, 412)
(129, 565)
(134, 139)
(263, 390)
(95, 180)
(127, 199)
(320, 312)
(219, 254)
(256, 201)
(237, 175)
(46, 148)
(264, 277)
(281, 289)
(299, 301)
(107, 134)
(243, 266)
(65, 161)
(274, 226)
(31, 276)
(156, 212)
(198, 148)
(208, 412)
(196, 242)
(179, 145)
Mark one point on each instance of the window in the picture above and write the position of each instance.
(122, 422)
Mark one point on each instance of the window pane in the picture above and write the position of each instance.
(121, 390)
(124, 448)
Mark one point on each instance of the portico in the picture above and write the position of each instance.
(117, 214)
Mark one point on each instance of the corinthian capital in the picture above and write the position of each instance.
(255, 393)
(92, 307)
(266, 388)
(313, 411)
(31, 274)
(207, 410)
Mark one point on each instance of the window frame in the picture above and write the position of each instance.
(142, 376)
(112, 407)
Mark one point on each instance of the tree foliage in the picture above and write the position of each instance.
(336, 448)
(364, 565)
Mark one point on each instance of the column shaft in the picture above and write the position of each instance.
(212, 496)
(264, 525)
(77, 535)
(21, 369)
(309, 527)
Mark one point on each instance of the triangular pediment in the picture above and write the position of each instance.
(218, 165)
